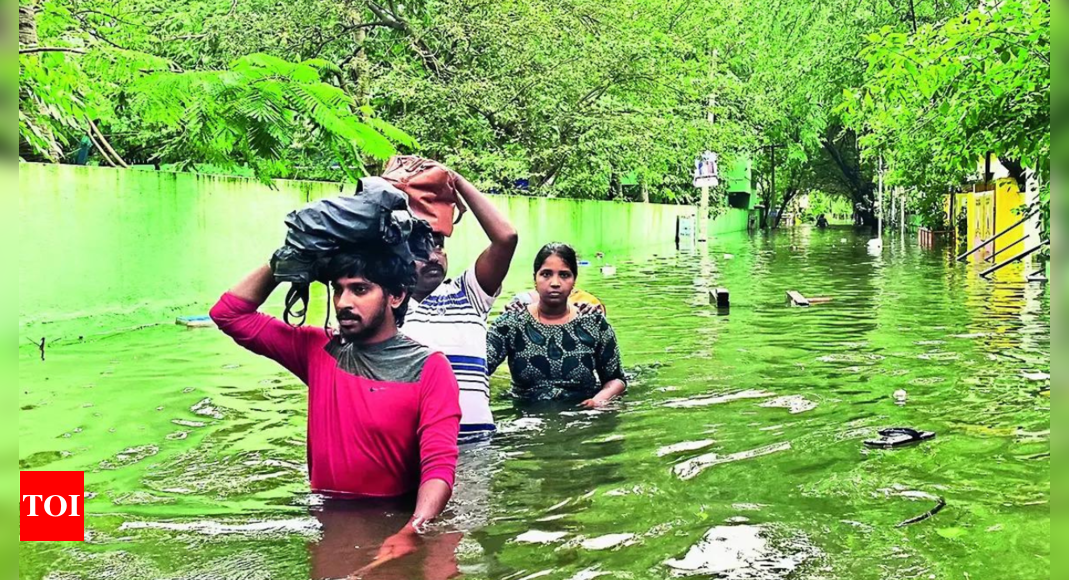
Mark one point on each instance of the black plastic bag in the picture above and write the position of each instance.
(377, 215)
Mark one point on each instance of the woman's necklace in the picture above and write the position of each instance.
(538, 313)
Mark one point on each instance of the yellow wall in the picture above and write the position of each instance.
(1009, 200)
(991, 212)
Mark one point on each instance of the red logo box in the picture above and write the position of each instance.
(51, 506)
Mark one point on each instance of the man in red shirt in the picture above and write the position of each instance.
(383, 410)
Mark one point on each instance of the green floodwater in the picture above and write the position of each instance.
(737, 453)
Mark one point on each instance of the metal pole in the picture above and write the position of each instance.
(703, 215)
(879, 216)
(894, 214)
(1016, 258)
(902, 213)
(772, 198)
(703, 209)
(1031, 212)
(992, 257)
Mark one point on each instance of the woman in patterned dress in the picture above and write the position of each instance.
(552, 351)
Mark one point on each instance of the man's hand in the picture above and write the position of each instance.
(399, 545)
(515, 306)
(586, 308)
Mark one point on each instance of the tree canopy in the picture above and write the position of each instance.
(551, 97)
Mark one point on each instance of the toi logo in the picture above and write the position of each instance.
(51, 506)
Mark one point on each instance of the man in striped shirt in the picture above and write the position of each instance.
(450, 315)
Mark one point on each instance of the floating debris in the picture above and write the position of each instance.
(1037, 377)
(940, 504)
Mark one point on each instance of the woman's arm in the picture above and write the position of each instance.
(497, 342)
(610, 369)
(610, 391)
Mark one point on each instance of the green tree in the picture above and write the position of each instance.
(938, 99)
(80, 77)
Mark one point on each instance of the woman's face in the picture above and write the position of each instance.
(554, 281)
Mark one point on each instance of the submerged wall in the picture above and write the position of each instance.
(103, 249)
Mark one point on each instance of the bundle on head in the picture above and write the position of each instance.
(375, 220)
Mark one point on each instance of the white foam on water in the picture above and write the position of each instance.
(204, 408)
(298, 526)
(793, 403)
(521, 425)
(539, 537)
(684, 446)
(718, 400)
(599, 440)
(608, 541)
(736, 553)
(691, 468)
(589, 574)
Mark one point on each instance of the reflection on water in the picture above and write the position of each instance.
(738, 452)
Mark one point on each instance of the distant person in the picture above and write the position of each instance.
(450, 315)
(822, 222)
(383, 411)
(554, 353)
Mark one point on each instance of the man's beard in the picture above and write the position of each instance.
(369, 326)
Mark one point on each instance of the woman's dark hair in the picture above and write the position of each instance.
(395, 275)
(562, 251)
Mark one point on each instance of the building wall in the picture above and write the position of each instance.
(105, 249)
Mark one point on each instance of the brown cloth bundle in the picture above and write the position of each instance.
(431, 190)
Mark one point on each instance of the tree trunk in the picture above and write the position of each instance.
(358, 67)
(861, 188)
(28, 38)
(27, 25)
(787, 197)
